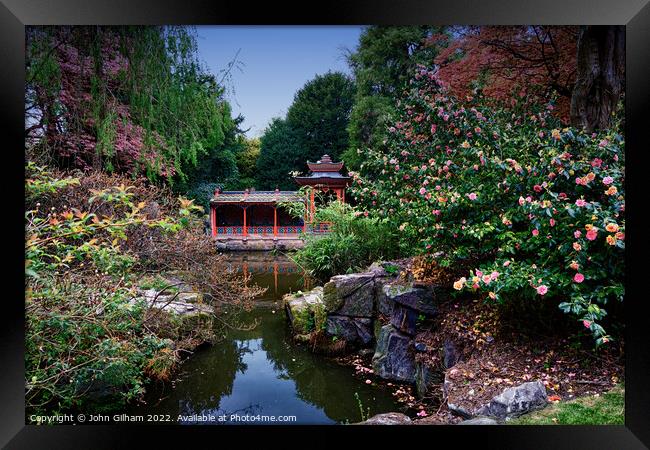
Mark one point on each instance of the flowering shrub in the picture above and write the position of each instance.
(528, 208)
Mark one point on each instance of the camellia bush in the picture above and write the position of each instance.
(526, 207)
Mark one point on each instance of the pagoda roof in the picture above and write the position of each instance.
(325, 164)
(257, 197)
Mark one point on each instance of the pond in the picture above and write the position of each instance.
(258, 375)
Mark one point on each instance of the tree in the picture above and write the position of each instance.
(247, 163)
(316, 123)
(382, 64)
(601, 76)
(319, 116)
(279, 153)
(581, 71)
(123, 99)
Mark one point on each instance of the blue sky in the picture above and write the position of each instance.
(276, 61)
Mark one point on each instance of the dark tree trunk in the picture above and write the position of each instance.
(600, 76)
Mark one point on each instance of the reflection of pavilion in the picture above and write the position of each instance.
(278, 273)
(255, 220)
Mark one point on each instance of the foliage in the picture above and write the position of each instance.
(382, 64)
(532, 62)
(605, 409)
(246, 164)
(279, 154)
(539, 208)
(353, 243)
(319, 116)
(125, 99)
(91, 342)
(316, 123)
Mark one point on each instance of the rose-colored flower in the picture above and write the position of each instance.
(552, 222)
(486, 279)
(472, 196)
(577, 247)
(591, 234)
(542, 289)
(578, 278)
(494, 275)
(574, 265)
(608, 180)
(580, 202)
(506, 263)
(586, 323)
(423, 191)
(577, 234)
(535, 232)
(537, 188)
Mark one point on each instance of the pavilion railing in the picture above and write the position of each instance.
(259, 230)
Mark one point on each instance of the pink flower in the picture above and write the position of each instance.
(433, 128)
(608, 180)
(494, 275)
(436, 212)
(423, 191)
(580, 202)
(486, 279)
(552, 222)
(586, 323)
(591, 234)
(537, 188)
(579, 278)
(506, 264)
(577, 234)
(472, 196)
(422, 413)
(535, 232)
(541, 289)
(479, 273)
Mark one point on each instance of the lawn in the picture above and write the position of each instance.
(605, 409)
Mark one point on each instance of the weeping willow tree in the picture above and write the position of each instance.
(131, 100)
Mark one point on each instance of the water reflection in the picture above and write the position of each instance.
(261, 371)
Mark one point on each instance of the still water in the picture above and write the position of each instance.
(261, 374)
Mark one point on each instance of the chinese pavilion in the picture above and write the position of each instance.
(252, 219)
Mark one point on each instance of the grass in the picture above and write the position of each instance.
(606, 409)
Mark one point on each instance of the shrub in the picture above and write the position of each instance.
(352, 244)
(527, 207)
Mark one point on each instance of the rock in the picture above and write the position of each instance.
(424, 378)
(300, 307)
(350, 295)
(460, 411)
(418, 299)
(190, 297)
(384, 303)
(355, 330)
(404, 319)
(516, 401)
(378, 269)
(391, 418)
(479, 421)
(394, 356)
(420, 347)
(450, 353)
(366, 352)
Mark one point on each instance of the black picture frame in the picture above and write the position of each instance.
(16, 14)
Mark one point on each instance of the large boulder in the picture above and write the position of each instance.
(419, 299)
(355, 330)
(383, 301)
(300, 308)
(426, 378)
(394, 357)
(404, 319)
(391, 418)
(516, 401)
(350, 295)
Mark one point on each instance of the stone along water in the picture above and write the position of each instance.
(257, 375)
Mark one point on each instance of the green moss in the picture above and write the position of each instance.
(606, 409)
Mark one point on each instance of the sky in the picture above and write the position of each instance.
(273, 63)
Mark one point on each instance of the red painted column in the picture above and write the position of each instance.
(213, 220)
(275, 221)
(245, 230)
